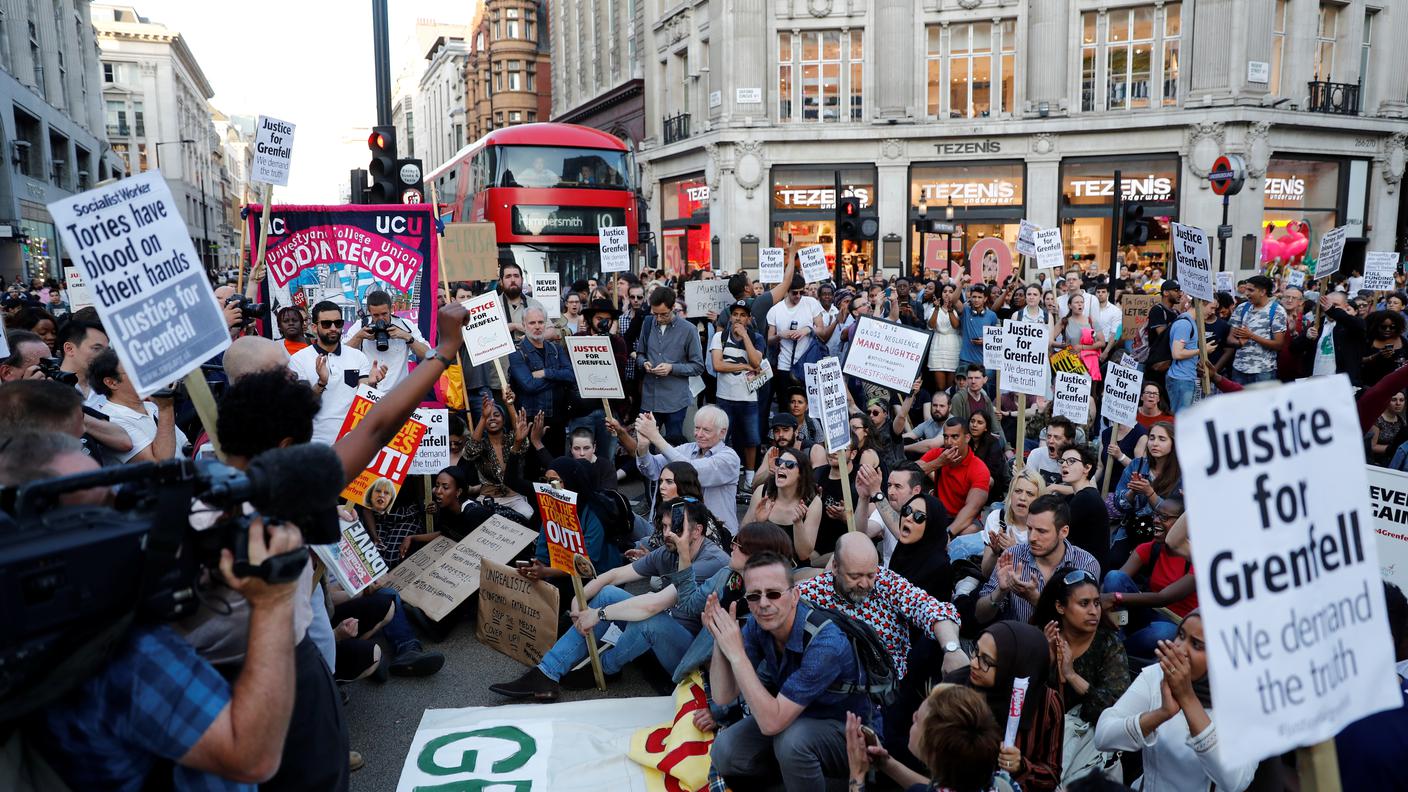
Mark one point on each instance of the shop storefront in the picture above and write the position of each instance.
(1303, 197)
(684, 226)
(804, 206)
(988, 200)
(1087, 201)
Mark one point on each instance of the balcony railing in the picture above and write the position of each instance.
(676, 128)
(1331, 97)
(119, 130)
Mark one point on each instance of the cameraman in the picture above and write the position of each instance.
(394, 339)
(26, 350)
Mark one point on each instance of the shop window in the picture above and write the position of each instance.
(980, 60)
(1278, 45)
(821, 76)
(1326, 31)
(1130, 58)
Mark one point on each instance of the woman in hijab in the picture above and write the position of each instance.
(1006, 651)
(921, 555)
(574, 475)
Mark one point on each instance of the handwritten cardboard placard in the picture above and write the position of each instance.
(449, 578)
(517, 616)
(470, 251)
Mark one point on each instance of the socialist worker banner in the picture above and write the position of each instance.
(339, 253)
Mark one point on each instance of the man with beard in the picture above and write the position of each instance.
(596, 321)
(783, 431)
(1023, 569)
(334, 370)
(516, 303)
(962, 481)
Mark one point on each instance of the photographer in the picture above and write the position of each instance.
(149, 423)
(393, 340)
(26, 350)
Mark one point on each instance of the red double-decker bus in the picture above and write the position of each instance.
(547, 188)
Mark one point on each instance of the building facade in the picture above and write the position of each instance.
(51, 127)
(440, 99)
(508, 76)
(1007, 110)
(156, 102)
(598, 76)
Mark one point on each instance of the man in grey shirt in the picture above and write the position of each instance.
(669, 352)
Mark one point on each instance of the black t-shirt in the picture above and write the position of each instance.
(830, 529)
(1090, 522)
(1160, 316)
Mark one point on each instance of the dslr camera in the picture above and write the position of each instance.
(249, 310)
(381, 332)
(49, 367)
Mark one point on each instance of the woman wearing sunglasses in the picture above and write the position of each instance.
(921, 556)
(1089, 663)
(1090, 521)
(789, 501)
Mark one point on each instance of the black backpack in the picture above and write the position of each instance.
(880, 678)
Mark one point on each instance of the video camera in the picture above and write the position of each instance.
(73, 579)
(49, 367)
(249, 310)
(381, 333)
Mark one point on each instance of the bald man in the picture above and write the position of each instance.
(248, 354)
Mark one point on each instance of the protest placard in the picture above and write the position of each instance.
(1120, 404)
(992, 347)
(835, 419)
(594, 363)
(1388, 498)
(1288, 580)
(517, 616)
(486, 335)
(1135, 308)
(755, 382)
(1296, 279)
(377, 486)
(273, 151)
(560, 525)
(1026, 238)
(147, 282)
(547, 289)
(354, 561)
(813, 390)
(77, 291)
(813, 260)
(1072, 396)
(1194, 257)
(887, 353)
(446, 577)
(1224, 282)
(469, 251)
(1049, 250)
(1327, 263)
(1379, 268)
(433, 455)
(703, 296)
(1065, 359)
(615, 247)
(771, 265)
(1025, 349)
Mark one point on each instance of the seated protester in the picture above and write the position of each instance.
(450, 512)
(796, 722)
(1022, 570)
(1371, 749)
(921, 555)
(930, 433)
(868, 454)
(961, 481)
(650, 623)
(809, 431)
(376, 610)
(1046, 458)
(1088, 661)
(788, 500)
(1166, 716)
(782, 434)
(716, 463)
(496, 449)
(1158, 574)
(592, 513)
(1145, 483)
(954, 734)
(883, 435)
(149, 423)
(679, 481)
(988, 444)
(1126, 444)
(832, 524)
(582, 445)
(1007, 524)
(1090, 520)
(1005, 651)
(973, 396)
(878, 510)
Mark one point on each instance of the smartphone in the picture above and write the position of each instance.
(522, 564)
(871, 738)
(677, 519)
(1122, 617)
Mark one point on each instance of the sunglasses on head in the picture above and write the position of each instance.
(1078, 575)
(910, 511)
(754, 597)
(331, 323)
(787, 464)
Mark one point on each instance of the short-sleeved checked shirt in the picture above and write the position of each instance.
(1017, 608)
(153, 701)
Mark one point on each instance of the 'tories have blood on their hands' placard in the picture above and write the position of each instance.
(147, 282)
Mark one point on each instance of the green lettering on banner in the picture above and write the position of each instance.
(526, 749)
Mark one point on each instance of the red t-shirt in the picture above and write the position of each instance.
(953, 482)
(1167, 570)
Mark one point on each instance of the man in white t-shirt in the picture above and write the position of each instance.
(402, 339)
(334, 369)
(1072, 287)
(793, 323)
(736, 353)
(150, 424)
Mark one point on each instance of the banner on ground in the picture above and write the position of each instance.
(546, 289)
(1073, 396)
(517, 616)
(1026, 238)
(615, 246)
(1120, 404)
(339, 253)
(354, 561)
(1327, 262)
(1025, 350)
(273, 151)
(675, 754)
(886, 353)
(1388, 498)
(1194, 257)
(813, 260)
(486, 335)
(1049, 250)
(704, 296)
(1379, 268)
(992, 347)
(594, 363)
(835, 418)
(470, 251)
(77, 294)
(560, 525)
(377, 486)
(1288, 580)
(444, 573)
(147, 281)
(771, 265)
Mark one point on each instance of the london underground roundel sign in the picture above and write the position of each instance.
(1228, 174)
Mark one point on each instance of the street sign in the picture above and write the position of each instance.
(1228, 174)
(412, 196)
(1224, 231)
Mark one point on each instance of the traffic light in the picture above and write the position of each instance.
(848, 219)
(1134, 227)
(383, 185)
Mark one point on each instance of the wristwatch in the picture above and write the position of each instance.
(435, 355)
(951, 647)
(601, 615)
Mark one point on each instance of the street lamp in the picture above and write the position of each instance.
(922, 226)
(204, 211)
(948, 252)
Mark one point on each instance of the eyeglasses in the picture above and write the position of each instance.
(328, 324)
(1165, 516)
(910, 511)
(787, 464)
(985, 662)
(754, 597)
(1077, 575)
(795, 292)
(1075, 460)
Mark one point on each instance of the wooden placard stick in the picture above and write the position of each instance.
(204, 401)
(1202, 347)
(1019, 443)
(239, 261)
(1318, 766)
(578, 560)
(445, 282)
(846, 488)
(263, 228)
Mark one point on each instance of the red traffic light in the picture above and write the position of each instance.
(376, 141)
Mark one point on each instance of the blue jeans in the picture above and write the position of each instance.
(966, 546)
(596, 421)
(672, 425)
(660, 633)
(1180, 393)
(742, 423)
(1243, 378)
(1146, 626)
(397, 631)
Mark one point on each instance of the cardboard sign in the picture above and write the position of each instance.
(1379, 269)
(78, 295)
(1388, 498)
(755, 382)
(546, 289)
(594, 363)
(1296, 278)
(813, 391)
(560, 525)
(1049, 250)
(486, 336)
(377, 487)
(1280, 525)
(1194, 257)
(615, 246)
(273, 151)
(1073, 396)
(354, 561)
(1327, 263)
(703, 296)
(771, 265)
(1025, 350)
(470, 251)
(835, 419)
(1224, 282)
(1136, 312)
(813, 259)
(443, 574)
(517, 616)
(1026, 238)
(1120, 404)
(992, 347)
(887, 353)
(433, 455)
(148, 284)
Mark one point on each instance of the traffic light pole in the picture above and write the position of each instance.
(1115, 223)
(381, 59)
